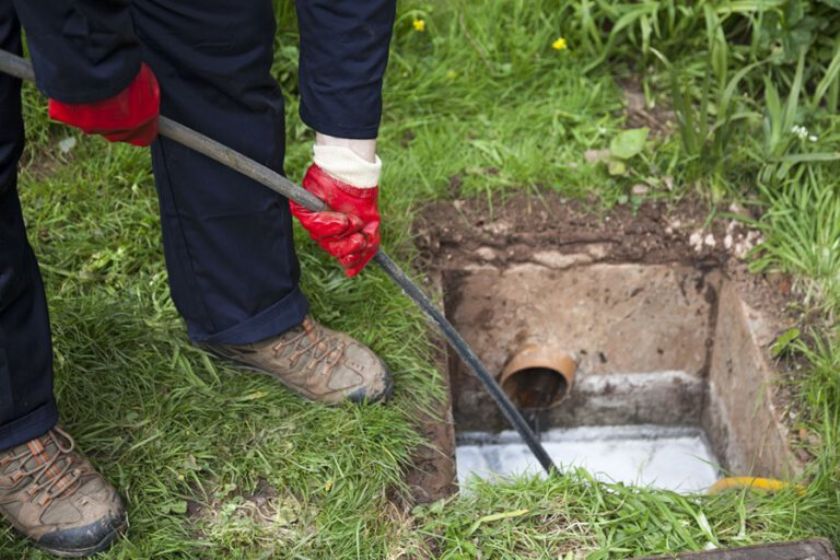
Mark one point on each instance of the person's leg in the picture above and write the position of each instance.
(27, 407)
(68, 509)
(232, 267)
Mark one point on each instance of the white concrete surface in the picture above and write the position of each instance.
(665, 457)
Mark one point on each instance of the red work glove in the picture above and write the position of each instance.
(350, 230)
(130, 116)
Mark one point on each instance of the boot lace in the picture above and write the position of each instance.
(53, 476)
(310, 341)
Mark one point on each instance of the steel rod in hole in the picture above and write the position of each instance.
(20, 68)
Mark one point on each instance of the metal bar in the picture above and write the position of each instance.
(21, 68)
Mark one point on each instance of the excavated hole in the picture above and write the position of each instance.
(641, 336)
(645, 407)
(674, 385)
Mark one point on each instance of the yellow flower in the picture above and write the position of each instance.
(451, 74)
(559, 44)
(419, 25)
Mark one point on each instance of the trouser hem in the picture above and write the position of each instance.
(275, 319)
(35, 424)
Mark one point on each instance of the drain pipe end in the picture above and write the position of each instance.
(538, 376)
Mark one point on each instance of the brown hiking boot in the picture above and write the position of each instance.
(53, 495)
(317, 363)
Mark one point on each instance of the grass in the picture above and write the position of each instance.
(808, 248)
(479, 95)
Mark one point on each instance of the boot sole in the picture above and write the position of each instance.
(383, 397)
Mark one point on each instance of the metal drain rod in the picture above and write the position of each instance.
(22, 69)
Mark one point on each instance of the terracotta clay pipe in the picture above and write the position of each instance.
(538, 375)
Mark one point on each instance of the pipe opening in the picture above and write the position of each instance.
(536, 388)
(538, 377)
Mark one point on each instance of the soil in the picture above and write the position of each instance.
(432, 472)
(465, 233)
(555, 232)
(659, 119)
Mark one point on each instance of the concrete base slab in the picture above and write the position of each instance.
(669, 458)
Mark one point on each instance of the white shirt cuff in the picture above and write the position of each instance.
(344, 164)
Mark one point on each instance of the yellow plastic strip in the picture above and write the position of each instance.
(753, 482)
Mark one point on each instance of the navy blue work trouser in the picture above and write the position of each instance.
(233, 272)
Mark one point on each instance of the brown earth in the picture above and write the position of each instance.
(542, 230)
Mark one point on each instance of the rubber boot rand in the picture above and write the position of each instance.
(53, 495)
(317, 363)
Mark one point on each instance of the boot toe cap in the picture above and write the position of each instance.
(378, 389)
(84, 540)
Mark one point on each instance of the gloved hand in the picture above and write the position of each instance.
(350, 230)
(130, 116)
